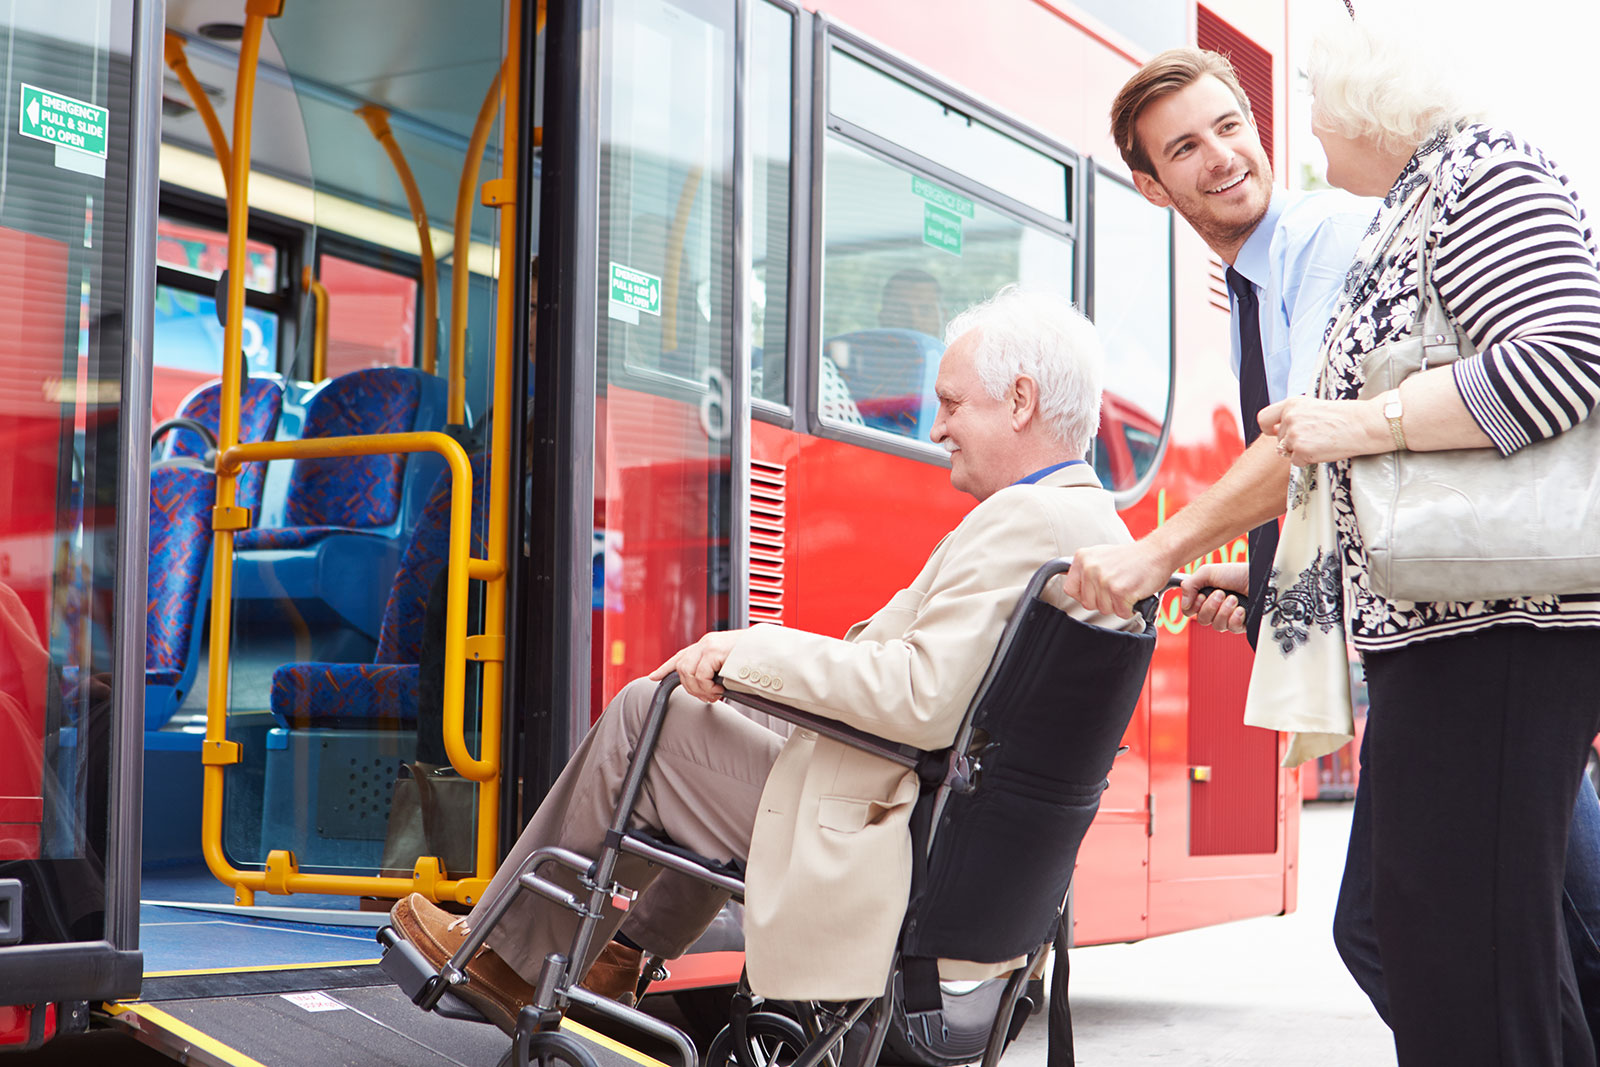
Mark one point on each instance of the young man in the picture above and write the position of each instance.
(824, 828)
(1183, 126)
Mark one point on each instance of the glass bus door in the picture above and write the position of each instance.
(77, 217)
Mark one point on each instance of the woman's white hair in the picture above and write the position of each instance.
(1387, 86)
(1039, 335)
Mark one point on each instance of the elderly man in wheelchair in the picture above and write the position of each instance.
(973, 708)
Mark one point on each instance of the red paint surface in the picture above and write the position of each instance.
(35, 437)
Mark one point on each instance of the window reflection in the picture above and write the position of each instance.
(901, 255)
(770, 101)
(1132, 297)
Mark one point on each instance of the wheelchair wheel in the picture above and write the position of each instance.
(773, 1041)
(548, 1049)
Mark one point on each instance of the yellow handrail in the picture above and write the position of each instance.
(281, 875)
(460, 277)
(672, 268)
(377, 120)
(178, 60)
(319, 328)
(500, 445)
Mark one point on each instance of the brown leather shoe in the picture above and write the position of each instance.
(491, 986)
(615, 973)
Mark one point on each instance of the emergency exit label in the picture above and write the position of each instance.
(938, 194)
(635, 289)
(63, 121)
(941, 229)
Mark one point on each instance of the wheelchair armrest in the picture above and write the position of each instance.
(905, 755)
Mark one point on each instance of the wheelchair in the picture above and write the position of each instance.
(995, 834)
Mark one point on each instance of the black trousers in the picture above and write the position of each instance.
(1475, 750)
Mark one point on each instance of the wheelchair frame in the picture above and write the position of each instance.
(537, 1035)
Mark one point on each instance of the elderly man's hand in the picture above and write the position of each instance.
(1112, 578)
(1220, 610)
(697, 665)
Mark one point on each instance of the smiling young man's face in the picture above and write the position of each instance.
(1209, 163)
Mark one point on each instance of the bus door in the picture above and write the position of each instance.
(77, 197)
(351, 705)
(641, 311)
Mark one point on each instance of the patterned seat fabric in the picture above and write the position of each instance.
(259, 409)
(180, 546)
(342, 694)
(360, 492)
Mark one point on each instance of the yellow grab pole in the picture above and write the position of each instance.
(377, 120)
(319, 329)
(460, 277)
(226, 518)
(178, 60)
(281, 875)
(675, 239)
(500, 194)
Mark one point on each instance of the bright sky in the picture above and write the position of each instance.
(1532, 64)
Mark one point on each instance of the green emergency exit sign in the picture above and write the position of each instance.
(63, 121)
(635, 289)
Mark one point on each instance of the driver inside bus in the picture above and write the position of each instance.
(822, 828)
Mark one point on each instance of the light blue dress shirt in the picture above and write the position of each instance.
(1297, 259)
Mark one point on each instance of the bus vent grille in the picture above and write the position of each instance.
(1250, 61)
(1217, 285)
(768, 523)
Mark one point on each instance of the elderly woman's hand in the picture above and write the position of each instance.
(1319, 431)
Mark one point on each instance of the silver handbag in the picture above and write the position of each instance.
(1470, 524)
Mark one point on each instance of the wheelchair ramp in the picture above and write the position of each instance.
(355, 1019)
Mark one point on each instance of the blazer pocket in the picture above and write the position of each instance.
(849, 815)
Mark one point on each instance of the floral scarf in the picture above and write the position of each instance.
(1300, 683)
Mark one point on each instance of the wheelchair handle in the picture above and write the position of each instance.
(1176, 582)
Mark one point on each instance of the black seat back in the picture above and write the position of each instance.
(1046, 729)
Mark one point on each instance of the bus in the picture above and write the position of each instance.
(390, 381)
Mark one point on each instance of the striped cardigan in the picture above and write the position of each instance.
(1516, 267)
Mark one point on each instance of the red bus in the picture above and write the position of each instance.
(450, 503)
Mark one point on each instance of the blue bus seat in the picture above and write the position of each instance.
(182, 493)
(890, 374)
(259, 408)
(337, 535)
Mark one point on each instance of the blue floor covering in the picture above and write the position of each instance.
(183, 939)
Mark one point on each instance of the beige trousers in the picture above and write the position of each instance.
(702, 790)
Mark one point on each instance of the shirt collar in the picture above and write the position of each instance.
(1045, 472)
(1254, 260)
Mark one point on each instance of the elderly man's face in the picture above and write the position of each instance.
(974, 427)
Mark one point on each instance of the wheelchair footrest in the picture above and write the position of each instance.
(411, 972)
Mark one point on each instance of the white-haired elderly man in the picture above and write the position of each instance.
(823, 828)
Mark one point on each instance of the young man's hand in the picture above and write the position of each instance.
(697, 665)
(1221, 610)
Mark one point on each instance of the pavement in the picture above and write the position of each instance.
(1268, 992)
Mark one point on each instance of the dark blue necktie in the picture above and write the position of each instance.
(1252, 398)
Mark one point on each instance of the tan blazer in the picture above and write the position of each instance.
(830, 862)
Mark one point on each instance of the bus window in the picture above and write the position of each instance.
(188, 345)
(901, 255)
(866, 97)
(203, 252)
(771, 128)
(372, 316)
(190, 256)
(665, 331)
(1131, 302)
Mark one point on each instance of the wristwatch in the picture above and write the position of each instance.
(1393, 412)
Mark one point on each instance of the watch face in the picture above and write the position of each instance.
(1391, 410)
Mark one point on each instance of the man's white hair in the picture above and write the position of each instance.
(1039, 335)
(1386, 86)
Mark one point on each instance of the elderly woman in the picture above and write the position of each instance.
(1483, 711)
